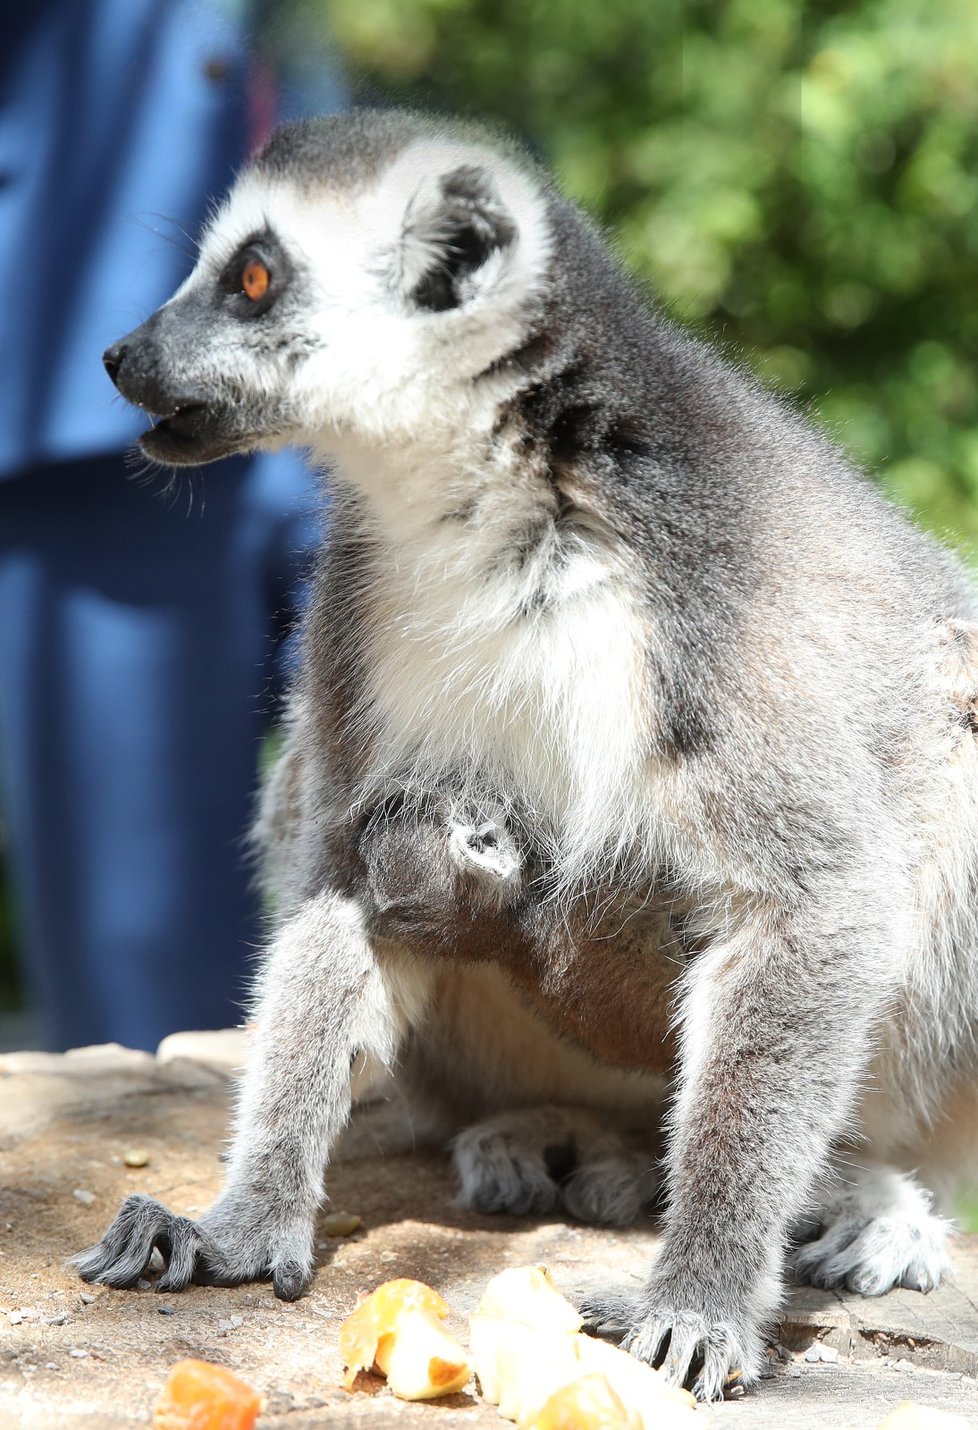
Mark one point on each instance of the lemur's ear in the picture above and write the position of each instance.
(451, 227)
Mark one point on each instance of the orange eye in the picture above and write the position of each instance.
(255, 279)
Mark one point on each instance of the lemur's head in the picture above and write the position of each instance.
(363, 271)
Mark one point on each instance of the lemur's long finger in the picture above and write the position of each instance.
(182, 1254)
(123, 1254)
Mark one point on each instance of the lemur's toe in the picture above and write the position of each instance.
(611, 1314)
(872, 1257)
(140, 1227)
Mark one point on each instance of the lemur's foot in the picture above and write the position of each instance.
(877, 1233)
(228, 1246)
(710, 1353)
(502, 1169)
(611, 1190)
(532, 1161)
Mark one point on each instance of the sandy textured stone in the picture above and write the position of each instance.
(72, 1356)
(224, 1050)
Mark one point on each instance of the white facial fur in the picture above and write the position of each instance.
(380, 367)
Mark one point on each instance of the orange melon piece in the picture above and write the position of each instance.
(201, 1396)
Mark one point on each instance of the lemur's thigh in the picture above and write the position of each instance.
(537, 1123)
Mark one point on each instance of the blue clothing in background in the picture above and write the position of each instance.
(138, 639)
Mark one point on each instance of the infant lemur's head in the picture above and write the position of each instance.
(363, 271)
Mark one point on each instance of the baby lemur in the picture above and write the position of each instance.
(631, 764)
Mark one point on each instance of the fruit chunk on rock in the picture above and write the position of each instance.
(397, 1331)
(340, 1224)
(522, 1340)
(520, 1366)
(421, 1360)
(588, 1403)
(527, 1346)
(527, 1294)
(201, 1396)
(644, 1389)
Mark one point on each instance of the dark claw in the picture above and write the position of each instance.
(289, 1281)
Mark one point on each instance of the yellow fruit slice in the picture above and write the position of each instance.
(429, 1363)
(639, 1386)
(520, 1366)
(588, 1403)
(527, 1294)
(421, 1360)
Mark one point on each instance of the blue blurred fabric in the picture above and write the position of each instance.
(139, 640)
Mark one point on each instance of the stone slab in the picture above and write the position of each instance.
(66, 1125)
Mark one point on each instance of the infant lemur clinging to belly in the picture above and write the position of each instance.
(631, 755)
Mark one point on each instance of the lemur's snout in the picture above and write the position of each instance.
(192, 423)
(143, 371)
(144, 378)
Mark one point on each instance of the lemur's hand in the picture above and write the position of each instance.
(712, 1352)
(322, 999)
(238, 1240)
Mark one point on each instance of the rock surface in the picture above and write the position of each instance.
(73, 1356)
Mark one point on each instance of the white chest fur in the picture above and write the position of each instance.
(520, 663)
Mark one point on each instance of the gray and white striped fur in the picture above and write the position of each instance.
(631, 765)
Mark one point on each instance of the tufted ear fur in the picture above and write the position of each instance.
(453, 225)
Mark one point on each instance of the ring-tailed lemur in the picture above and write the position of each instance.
(632, 752)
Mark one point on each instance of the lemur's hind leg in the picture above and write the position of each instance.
(534, 1160)
(872, 1229)
(531, 1160)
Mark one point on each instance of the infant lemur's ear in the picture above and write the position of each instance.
(453, 225)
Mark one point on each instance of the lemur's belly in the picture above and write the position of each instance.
(614, 996)
(602, 971)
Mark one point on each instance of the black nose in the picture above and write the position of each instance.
(112, 360)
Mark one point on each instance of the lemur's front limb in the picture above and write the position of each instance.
(777, 1018)
(321, 998)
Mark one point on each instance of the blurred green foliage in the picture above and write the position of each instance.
(798, 179)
